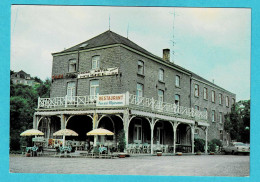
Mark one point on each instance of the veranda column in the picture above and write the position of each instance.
(192, 138)
(95, 119)
(35, 121)
(126, 125)
(152, 127)
(175, 135)
(206, 140)
(62, 121)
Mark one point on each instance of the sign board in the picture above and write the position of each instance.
(95, 73)
(111, 100)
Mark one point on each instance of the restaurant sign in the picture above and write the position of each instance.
(100, 72)
(111, 100)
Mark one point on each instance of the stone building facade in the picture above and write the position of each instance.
(163, 103)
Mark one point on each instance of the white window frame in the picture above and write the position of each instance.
(160, 96)
(139, 91)
(220, 98)
(227, 101)
(177, 98)
(196, 90)
(177, 81)
(213, 115)
(95, 62)
(205, 93)
(220, 117)
(138, 132)
(93, 88)
(213, 95)
(71, 89)
(140, 68)
(72, 65)
(161, 75)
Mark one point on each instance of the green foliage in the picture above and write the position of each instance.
(212, 146)
(23, 101)
(237, 122)
(121, 141)
(217, 142)
(199, 145)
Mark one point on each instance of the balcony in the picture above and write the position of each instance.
(129, 100)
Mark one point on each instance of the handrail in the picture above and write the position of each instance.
(133, 100)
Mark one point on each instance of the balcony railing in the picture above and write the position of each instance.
(148, 104)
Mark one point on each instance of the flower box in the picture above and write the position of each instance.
(179, 153)
(159, 153)
(121, 155)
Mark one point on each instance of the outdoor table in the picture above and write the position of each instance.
(32, 150)
(65, 150)
(102, 149)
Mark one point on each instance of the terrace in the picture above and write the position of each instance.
(127, 101)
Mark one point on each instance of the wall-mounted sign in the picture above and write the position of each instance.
(111, 100)
(95, 73)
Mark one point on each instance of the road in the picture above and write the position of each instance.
(186, 165)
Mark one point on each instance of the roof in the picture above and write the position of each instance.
(105, 39)
(111, 38)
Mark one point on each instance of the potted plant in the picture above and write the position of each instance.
(198, 152)
(121, 144)
(158, 152)
(179, 153)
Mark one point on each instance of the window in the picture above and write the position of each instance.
(177, 81)
(161, 74)
(94, 88)
(220, 117)
(220, 98)
(213, 116)
(197, 107)
(196, 90)
(71, 89)
(233, 101)
(160, 95)
(196, 132)
(212, 96)
(95, 62)
(139, 91)
(205, 93)
(140, 67)
(206, 110)
(177, 100)
(227, 101)
(138, 132)
(72, 65)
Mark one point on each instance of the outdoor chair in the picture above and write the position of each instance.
(166, 148)
(129, 147)
(139, 148)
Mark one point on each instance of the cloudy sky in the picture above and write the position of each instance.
(212, 42)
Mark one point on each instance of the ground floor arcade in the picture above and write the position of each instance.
(149, 130)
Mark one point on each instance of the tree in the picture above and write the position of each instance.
(237, 122)
(121, 140)
(23, 101)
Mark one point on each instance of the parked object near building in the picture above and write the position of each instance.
(112, 83)
(236, 148)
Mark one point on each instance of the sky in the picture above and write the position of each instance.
(214, 43)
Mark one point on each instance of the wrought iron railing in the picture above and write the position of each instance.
(135, 101)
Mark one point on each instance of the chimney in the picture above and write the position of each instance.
(166, 55)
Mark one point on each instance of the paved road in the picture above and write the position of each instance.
(204, 165)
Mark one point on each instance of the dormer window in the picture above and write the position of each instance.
(95, 62)
(72, 65)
